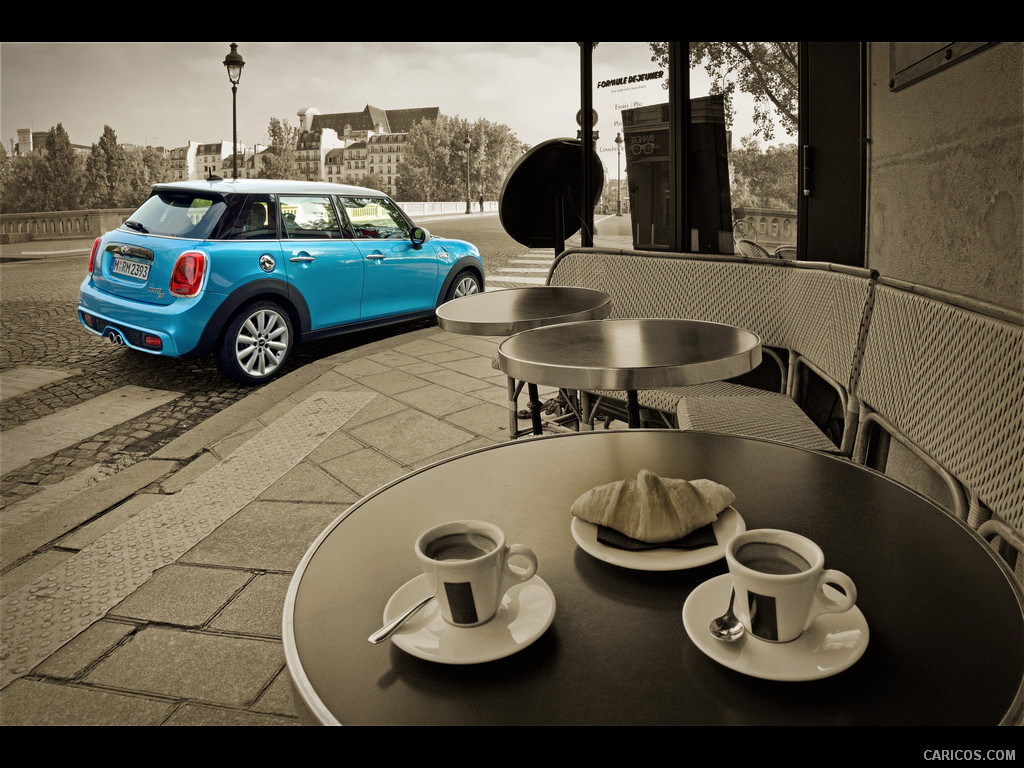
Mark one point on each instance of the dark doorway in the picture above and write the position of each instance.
(832, 141)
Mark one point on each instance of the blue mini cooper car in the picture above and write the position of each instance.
(246, 269)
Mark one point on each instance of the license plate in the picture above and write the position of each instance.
(130, 268)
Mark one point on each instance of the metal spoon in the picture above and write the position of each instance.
(727, 627)
(388, 629)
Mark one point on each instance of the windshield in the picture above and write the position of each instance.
(177, 214)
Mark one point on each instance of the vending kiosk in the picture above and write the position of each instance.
(648, 149)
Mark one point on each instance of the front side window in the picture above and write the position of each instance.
(375, 218)
(310, 216)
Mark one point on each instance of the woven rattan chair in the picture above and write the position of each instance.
(944, 375)
(1007, 542)
(751, 249)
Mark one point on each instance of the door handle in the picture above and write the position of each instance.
(302, 257)
(376, 256)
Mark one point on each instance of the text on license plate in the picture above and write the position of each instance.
(130, 268)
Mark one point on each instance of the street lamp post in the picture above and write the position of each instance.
(467, 144)
(234, 63)
(618, 174)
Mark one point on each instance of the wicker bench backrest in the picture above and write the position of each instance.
(826, 316)
(724, 290)
(809, 308)
(950, 380)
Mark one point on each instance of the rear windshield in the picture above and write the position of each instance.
(177, 214)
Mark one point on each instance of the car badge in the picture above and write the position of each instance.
(159, 293)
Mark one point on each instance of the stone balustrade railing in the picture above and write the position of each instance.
(57, 225)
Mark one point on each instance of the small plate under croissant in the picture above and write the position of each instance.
(656, 524)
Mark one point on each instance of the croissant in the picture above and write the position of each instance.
(654, 509)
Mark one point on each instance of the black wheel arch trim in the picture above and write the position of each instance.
(291, 300)
(466, 262)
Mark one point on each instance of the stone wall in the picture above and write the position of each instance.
(945, 168)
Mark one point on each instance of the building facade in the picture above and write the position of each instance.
(216, 159)
(345, 147)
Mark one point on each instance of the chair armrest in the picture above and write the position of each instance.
(993, 529)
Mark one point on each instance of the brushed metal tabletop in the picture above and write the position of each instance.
(629, 354)
(509, 311)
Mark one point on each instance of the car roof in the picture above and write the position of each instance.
(268, 186)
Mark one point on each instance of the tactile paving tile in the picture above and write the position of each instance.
(43, 616)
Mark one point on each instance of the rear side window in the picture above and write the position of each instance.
(256, 219)
(177, 214)
(310, 216)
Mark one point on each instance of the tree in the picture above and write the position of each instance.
(763, 178)
(431, 165)
(499, 150)
(278, 161)
(6, 175)
(96, 187)
(135, 182)
(765, 71)
(62, 185)
(24, 188)
(157, 164)
(437, 165)
(368, 180)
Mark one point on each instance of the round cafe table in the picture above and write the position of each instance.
(630, 354)
(512, 310)
(944, 616)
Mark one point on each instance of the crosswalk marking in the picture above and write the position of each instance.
(24, 378)
(530, 268)
(57, 431)
(517, 280)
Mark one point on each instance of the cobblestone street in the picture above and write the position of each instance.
(40, 330)
(44, 334)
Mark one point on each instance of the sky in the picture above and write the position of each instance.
(167, 94)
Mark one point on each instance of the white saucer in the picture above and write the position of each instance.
(728, 524)
(833, 642)
(526, 612)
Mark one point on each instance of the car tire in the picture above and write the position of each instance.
(256, 343)
(465, 283)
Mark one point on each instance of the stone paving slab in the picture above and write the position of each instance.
(47, 613)
(194, 567)
(214, 669)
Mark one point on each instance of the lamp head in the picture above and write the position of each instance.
(234, 63)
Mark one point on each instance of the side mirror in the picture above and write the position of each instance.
(419, 236)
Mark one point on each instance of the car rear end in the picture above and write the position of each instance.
(147, 285)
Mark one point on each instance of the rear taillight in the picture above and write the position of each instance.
(92, 256)
(187, 277)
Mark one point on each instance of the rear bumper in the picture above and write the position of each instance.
(179, 326)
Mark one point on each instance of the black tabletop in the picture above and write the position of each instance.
(945, 615)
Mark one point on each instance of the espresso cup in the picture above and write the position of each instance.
(468, 564)
(779, 578)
